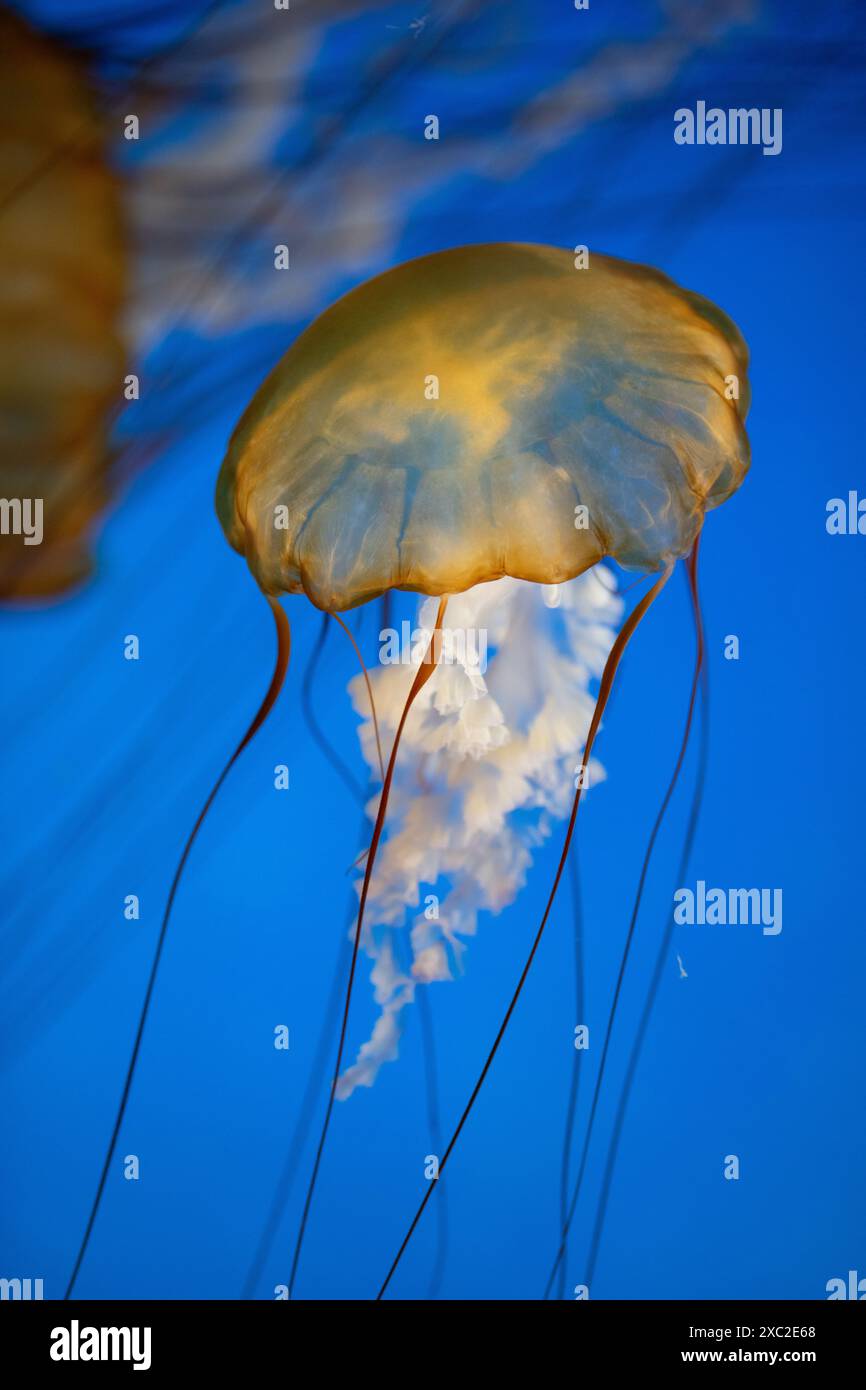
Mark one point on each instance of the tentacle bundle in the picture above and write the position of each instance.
(486, 772)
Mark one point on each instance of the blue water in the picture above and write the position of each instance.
(758, 1053)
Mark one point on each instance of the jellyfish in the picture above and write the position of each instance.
(61, 352)
(485, 415)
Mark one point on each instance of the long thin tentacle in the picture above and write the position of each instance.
(664, 946)
(699, 657)
(282, 662)
(326, 748)
(366, 674)
(610, 668)
(576, 1067)
(425, 671)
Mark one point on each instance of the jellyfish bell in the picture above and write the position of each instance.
(487, 411)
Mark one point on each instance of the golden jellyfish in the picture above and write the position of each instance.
(487, 411)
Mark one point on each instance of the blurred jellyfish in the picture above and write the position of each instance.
(477, 423)
(61, 353)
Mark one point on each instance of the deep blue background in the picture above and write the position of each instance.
(759, 1052)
